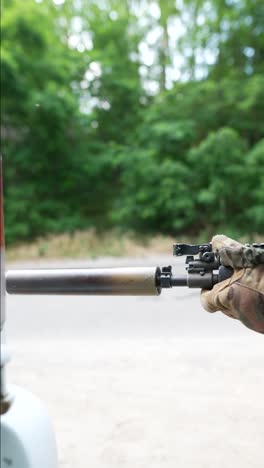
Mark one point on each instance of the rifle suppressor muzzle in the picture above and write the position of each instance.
(136, 281)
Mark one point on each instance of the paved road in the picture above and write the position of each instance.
(151, 382)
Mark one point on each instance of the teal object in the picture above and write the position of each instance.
(27, 437)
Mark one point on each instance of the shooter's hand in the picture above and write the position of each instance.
(241, 296)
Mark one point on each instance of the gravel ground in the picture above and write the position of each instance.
(141, 382)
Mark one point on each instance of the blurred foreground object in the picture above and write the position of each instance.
(22, 414)
(2, 251)
(242, 295)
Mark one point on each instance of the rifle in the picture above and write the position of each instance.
(202, 272)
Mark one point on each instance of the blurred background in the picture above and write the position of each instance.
(128, 124)
(131, 116)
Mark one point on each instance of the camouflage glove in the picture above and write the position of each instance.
(241, 296)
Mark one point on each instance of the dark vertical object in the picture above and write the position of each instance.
(2, 250)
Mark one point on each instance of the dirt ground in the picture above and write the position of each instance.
(141, 382)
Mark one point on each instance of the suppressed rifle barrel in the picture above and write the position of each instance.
(133, 281)
(136, 281)
(202, 273)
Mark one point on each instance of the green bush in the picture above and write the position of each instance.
(255, 187)
(154, 196)
(86, 144)
(218, 168)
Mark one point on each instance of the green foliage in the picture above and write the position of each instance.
(117, 87)
(153, 196)
(41, 122)
(85, 143)
(219, 190)
(255, 181)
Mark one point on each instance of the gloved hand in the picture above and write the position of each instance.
(241, 296)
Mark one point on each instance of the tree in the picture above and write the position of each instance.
(40, 120)
(113, 76)
(255, 187)
(85, 144)
(218, 182)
